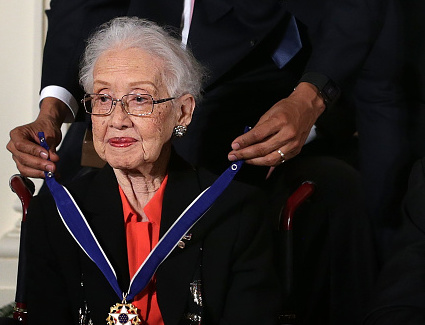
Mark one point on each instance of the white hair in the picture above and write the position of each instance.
(182, 73)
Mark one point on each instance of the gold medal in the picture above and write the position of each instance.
(124, 314)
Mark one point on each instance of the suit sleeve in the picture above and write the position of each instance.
(345, 36)
(400, 293)
(69, 25)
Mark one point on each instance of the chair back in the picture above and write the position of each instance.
(295, 200)
(24, 189)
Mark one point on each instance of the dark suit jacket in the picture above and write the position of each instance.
(232, 242)
(400, 294)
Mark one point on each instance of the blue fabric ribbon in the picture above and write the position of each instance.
(77, 225)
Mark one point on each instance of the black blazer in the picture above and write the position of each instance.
(400, 294)
(231, 242)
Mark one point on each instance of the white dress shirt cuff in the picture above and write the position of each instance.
(63, 95)
(312, 135)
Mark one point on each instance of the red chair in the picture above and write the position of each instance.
(295, 200)
(24, 189)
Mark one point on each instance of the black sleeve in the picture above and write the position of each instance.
(345, 36)
(69, 25)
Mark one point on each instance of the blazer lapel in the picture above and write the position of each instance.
(104, 208)
(177, 271)
(182, 188)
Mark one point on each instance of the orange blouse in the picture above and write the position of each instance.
(141, 239)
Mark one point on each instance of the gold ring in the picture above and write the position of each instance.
(282, 155)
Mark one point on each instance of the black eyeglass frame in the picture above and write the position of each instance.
(114, 101)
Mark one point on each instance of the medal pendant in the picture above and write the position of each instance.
(124, 314)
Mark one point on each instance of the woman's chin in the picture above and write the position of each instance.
(120, 163)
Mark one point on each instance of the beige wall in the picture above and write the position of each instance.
(21, 37)
(21, 30)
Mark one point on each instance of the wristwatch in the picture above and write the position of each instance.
(327, 87)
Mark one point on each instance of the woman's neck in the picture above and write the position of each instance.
(140, 187)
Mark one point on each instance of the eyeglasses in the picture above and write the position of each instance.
(133, 104)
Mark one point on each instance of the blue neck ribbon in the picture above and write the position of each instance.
(80, 230)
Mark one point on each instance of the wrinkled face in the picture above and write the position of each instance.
(133, 142)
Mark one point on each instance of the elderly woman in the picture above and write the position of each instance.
(141, 88)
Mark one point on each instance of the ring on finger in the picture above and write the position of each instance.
(282, 156)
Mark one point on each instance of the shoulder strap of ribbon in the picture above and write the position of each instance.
(80, 230)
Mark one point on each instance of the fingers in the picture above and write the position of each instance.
(285, 127)
(30, 158)
(264, 155)
(253, 136)
(274, 158)
(260, 146)
(26, 160)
